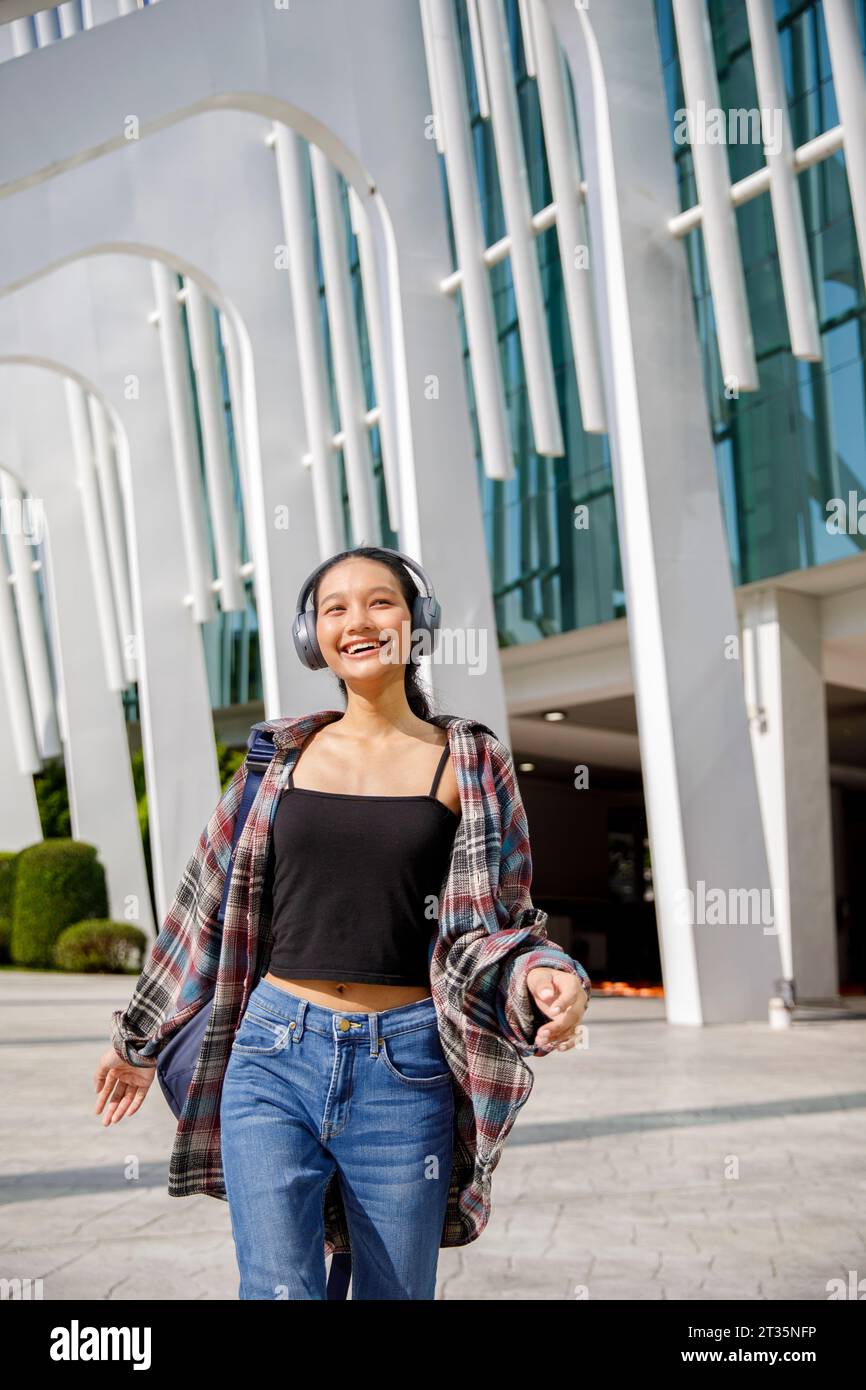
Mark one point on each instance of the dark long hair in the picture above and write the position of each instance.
(416, 694)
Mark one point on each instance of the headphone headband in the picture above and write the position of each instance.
(426, 610)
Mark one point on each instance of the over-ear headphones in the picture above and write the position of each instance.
(426, 611)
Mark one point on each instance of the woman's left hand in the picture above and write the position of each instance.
(560, 995)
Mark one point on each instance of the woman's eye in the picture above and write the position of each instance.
(338, 607)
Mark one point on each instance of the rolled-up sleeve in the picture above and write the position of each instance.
(519, 1017)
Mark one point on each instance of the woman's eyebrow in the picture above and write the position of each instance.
(339, 594)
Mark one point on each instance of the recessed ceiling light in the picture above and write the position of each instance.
(554, 714)
(526, 767)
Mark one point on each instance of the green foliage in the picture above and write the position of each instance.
(100, 945)
(136, 762)
(8, 870)
(52, 799)
(229, 760)
(59, 882)
(138, 781)
(64, 882)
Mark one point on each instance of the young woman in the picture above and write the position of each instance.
(337, 1067)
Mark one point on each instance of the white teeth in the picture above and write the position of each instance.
(361, 646)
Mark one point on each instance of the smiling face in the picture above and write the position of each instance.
(363, 623)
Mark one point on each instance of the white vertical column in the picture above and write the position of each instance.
(523, 255)
(785, 196)
(19, 812)
(443, 54)
(232, 350)
(476, 47)
(183, 438)
(699, 778)
(345, 351)
(432, 74)
(785, 690)
(19, 728)
(112, 512)
(97, 553)
(382, 382)
(22, 37)
(718, 222)
(67, 14)
(102, 800)
(297, 228)
(565, 178)
(849, 84)
(215, 445)
(528, 32)
(47, 27)
(30, 623)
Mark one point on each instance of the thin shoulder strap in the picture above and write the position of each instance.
(442, 761)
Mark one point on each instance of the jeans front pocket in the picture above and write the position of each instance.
(415, 1056)
(260, 1035)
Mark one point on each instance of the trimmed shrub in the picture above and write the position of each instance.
(99, 944)
(58, 883)
(8, 870)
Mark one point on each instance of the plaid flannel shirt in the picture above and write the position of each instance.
(488, 936)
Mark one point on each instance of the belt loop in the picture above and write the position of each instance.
(298, 1025)
(374, 1033)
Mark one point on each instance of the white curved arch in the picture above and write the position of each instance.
(117, 355)
(33, 421)
(333, 60)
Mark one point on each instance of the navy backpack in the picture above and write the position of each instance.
(176, 1063)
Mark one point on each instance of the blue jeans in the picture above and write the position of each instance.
(310, 1091)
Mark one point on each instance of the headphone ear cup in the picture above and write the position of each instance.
(306, 642)
(426, 611)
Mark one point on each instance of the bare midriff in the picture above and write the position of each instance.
(352, 996)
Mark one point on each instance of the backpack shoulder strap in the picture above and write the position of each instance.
(260, 751)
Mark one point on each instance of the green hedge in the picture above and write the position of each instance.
(58, 883)
(8, 870)
(64, 884)
(101, 945)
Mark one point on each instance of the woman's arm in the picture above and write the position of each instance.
(184, 959)
(519, 1016)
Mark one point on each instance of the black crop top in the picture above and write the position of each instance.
(356, 884)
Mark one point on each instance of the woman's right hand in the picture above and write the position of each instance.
(121, 1085)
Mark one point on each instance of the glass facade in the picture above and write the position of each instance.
(389, 537)
(548, 574)
(781, 452)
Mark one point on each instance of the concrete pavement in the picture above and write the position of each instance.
(657, 1163)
